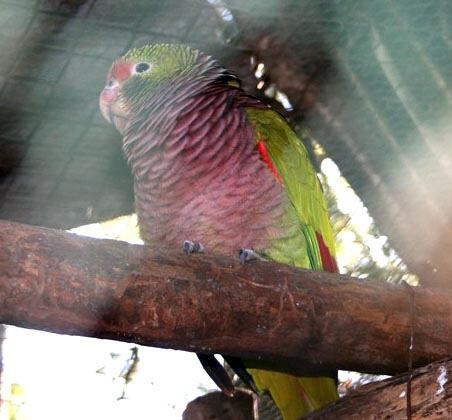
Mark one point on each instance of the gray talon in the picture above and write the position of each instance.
(191, 247)
(247, 254)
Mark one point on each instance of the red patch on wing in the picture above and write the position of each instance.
(121, 70)
(266, 158)
(328, 261)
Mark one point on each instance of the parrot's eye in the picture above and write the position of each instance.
(141, 67)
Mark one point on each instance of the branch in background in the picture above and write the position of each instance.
(308, 322)
(431, 397)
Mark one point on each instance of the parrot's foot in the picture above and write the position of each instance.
(191, 247)
(246, 254)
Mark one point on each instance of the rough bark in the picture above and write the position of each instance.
(300, 320)
(431, 395)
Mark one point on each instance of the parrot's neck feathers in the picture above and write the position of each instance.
(152, 122)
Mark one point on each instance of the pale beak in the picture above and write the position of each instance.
(111, 105)
(105, 109)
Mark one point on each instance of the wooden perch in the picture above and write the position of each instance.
(431, 397)
(310, 322)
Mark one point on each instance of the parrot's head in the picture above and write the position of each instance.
(137, 76)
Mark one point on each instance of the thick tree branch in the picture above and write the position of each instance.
(431, 397)
(60, 282)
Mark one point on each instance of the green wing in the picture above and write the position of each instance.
(309, 243)
(291, 160)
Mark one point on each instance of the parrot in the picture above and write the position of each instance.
(216, 170)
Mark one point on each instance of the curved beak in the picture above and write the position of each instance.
(112, 107)
(105, 110)
(108, 97)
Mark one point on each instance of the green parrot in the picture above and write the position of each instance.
(215, 169)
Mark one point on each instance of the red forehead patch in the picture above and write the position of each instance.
(121, 70)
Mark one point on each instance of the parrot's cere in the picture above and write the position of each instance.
(216, 170)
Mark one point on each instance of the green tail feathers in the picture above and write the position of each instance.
(295, 397)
